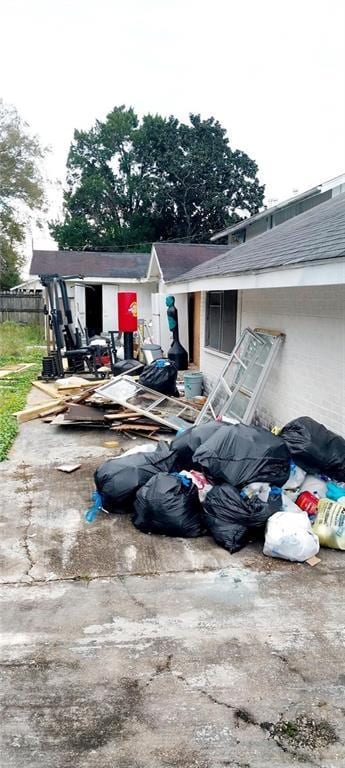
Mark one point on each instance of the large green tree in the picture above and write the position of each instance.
(21, 190)
(130, 182)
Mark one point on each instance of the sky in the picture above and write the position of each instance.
(272, 72)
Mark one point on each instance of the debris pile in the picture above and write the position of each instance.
(237, 483)
(78, 402)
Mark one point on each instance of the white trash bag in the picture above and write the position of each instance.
(294, 481)
(316, 485)
(289, 536)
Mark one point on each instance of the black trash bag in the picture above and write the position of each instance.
(117, 480)
(169, 505)
(232, 520)
(315, 448)
(185, 444)
(161, 376)
(240, 454)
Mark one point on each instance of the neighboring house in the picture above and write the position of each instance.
(271, 217)
(94, 299)
(291, 279)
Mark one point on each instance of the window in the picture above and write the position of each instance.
(221, 313)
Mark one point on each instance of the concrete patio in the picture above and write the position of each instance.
(120, 650)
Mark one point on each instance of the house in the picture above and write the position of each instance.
(292, 279)
(102, 275)
(271, 217)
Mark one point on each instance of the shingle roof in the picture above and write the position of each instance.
(176, 258)
(90, 263)
(315, 235)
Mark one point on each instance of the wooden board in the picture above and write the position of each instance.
(42, 409)
(119, 416)
(84, 413)
(48, 389)
(7, 370)
(134, 428)
(196, 329)
(77, 382)
(68, 468)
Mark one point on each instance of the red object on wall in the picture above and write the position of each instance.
(127, 311)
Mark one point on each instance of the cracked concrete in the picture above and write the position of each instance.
(132, 651)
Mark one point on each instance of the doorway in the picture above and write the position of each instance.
(194, 304)
(94, 309)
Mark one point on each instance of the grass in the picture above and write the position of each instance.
(15, 347)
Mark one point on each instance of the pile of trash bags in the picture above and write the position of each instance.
(236, 483)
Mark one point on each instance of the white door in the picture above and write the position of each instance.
(109, 298)
(79, 306)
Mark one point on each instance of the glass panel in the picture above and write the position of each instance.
(214, 327)
(188, 415)
(220, 397)
(143, 399)
(237, 407)
(118, 390)
(229, 321)
(168, 408)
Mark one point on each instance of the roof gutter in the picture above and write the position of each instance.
(323, 272)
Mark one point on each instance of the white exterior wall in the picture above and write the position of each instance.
(309, 375)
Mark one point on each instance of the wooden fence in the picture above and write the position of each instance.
(21, 307)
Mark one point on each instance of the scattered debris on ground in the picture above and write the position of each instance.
(68, 468)
(78, 402)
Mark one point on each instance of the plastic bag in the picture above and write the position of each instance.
(262, 490)
(239, 454)
(316, 485)
(161, 376)
(231, 519)
(117, 480)
(200, 481)
(329, 525)
(144, 448)
(289, 536)
(295, 479)
(186, 443)
(315, 448)
(335, 492)
(288, 505)
(168, 504)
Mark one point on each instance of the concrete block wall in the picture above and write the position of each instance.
(309, 375)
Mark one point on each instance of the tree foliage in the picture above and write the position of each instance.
(131, 182)
(21, 189)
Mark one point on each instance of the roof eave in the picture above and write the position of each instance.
(244, 223)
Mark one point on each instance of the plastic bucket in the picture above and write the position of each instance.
(193, 384)
(151, 352)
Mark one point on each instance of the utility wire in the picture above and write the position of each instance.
(119, 248)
